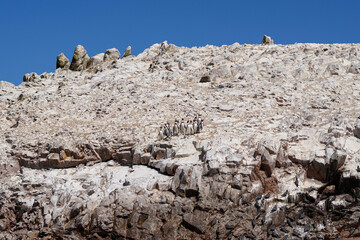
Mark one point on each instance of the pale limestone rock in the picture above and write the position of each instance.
(127, 52)
(267, 40)
(80, 59)
(111, 54)
(62, 61)
(96, 60)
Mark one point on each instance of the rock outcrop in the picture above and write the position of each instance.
(62, 61)
(80, 59)
(278, 155)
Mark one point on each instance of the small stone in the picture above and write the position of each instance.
(267, 40)
(127, 52)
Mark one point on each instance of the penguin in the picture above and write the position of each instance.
(201, 125)
(166, 131)
(182, 127)
(169, 129)
(195, 126)
(285, 193)
(161, 134)
(176, 128)
(296, 181)
(191, 128)
(274, 209)
(188, 130)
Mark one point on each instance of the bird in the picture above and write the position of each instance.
(283, 229)
(272, 228)
(289, 223)
(241, 236)
(258, 197)
(306, 228)
(257, 205)
(182, 127)
(248, 235)
(274, 234)
(296, 234)
(302, 215)
(351, 232)
(274, 208)
(230, 236)
(314, 224)
(285, 237)
(296, 181)
(161, 134)
(176, 128)
(267, 196)
(263, 220)
(306, 237)
(332, 199)
(253, 223)
(229, 227)
(348, 199)
(285, 193)
(323, 197)
(358, 169)
(244, 201)
(217, 232)
(325, 221)
(213, 222)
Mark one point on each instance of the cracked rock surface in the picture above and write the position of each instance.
(279, 154)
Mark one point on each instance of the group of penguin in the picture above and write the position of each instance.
(189, 127)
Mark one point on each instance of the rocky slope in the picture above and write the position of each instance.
(278, 157)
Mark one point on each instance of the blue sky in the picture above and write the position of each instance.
(34, 32)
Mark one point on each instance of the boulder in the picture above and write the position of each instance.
(127, 52)
(62, 61)
(124, 157)
(111, 54)
(196, 221)
(318, 169)
(357, 129)
(186, 150)
(354, 68)
(267, 40)
(95, 60)
(80, 59)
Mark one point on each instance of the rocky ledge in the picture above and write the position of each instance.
(278, 156)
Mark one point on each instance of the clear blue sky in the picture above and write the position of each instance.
(34, 32)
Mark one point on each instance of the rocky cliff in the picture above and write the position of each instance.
(278, 156)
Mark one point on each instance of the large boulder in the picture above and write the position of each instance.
(111, 54)
(267, 40)
(62, 61)
(80, 59)
(127, 52)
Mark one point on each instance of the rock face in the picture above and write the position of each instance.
(111, 54)
(279, 150)
(267, 40)
(62, 61)
(80, 59)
